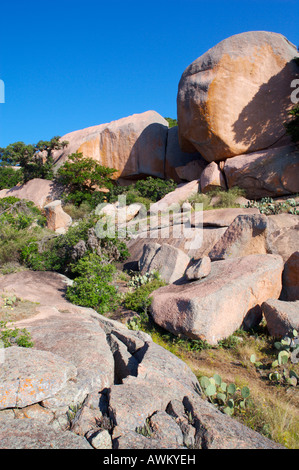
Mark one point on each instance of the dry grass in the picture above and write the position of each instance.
(19, 310)
(275, 411)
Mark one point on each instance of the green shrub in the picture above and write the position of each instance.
(145, 191)
(14, 336)
(292, 127)
(20, 222)
(10, 177)
(224, 199)
(172, 122)
(82, 176)
(139, 300)
(155, 188)
(92, 288)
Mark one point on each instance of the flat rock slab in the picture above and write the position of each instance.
(29, 376)
(65, 330)
(46, 288)
(31, 434)
(74, 335)
(213, 308)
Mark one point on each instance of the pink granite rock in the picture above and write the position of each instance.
(176, 197)
(29, 376)
(281, 317)
(132, 145)
(271, 172)
(57, 219)
(212, 178)
(212, 308)
(235, 98)
(246, 235)
(37, 190)
(290, 278)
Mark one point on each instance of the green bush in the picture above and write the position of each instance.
(20, 222)
(139, 300)
(224, 199)
(14, 336)
(82, 177)
(56, 253)
(10, 177)
(91, 287)
(145, 191)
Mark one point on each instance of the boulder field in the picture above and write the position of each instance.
(89, 382)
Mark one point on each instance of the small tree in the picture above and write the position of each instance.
(83, 178)
(36, 160)
(10, 177)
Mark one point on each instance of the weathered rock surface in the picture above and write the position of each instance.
(195, 233)
(57, 219)
(142, 379)
(290, 278)
(37, 190)
(29, 376)
(31, 434)
(270, 172)
(192, 170)
(133, 145)
(235, 98)
(224, 217)
(204, 309)
(281, 317)
(168, 260)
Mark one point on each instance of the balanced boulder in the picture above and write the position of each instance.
(235, 98)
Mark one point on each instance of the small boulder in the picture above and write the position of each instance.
(281, 317)
(212, 178)
(169, 261)
(57, 219)
(191, 170)
(37, 190)
(271, 172)
(176, 197)
(199, 269)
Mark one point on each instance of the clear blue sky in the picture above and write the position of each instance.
(71, 64)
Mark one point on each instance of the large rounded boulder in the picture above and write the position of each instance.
(235, 98)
